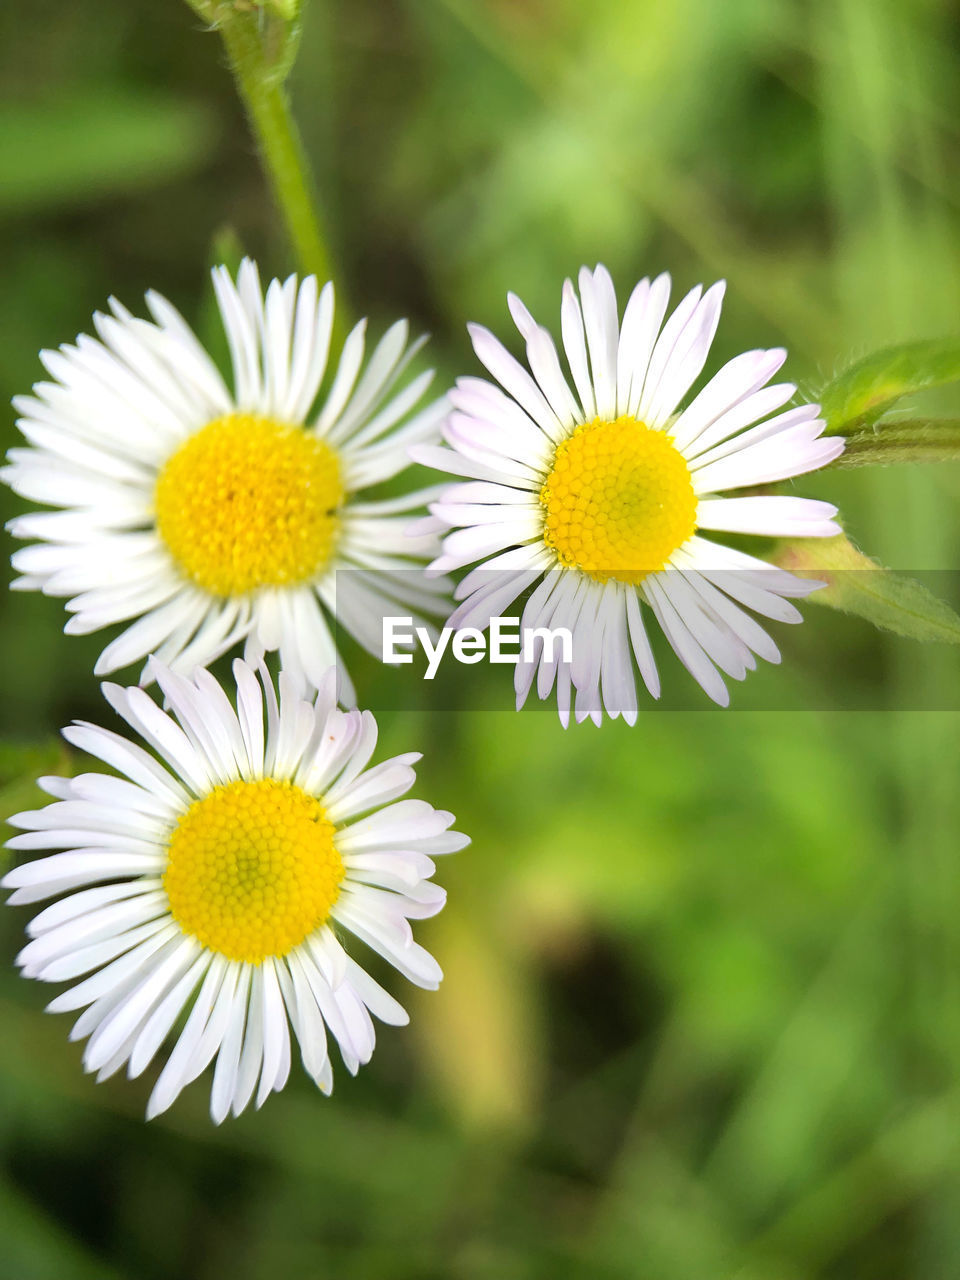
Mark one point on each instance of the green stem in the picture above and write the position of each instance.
(260, 50)
(902, 440)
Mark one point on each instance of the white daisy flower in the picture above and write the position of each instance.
(211, 515)
(204, 893)
(613, 486)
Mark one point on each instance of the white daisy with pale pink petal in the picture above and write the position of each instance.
(601, 494)
(202, 514)
(205, 898)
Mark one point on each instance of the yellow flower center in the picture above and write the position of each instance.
(618, 501)
(253, 869)
(248, 502)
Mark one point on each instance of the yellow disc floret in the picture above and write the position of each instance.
(253, 869)
(249, 502)
(618, 501)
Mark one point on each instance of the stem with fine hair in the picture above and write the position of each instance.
(261, 48)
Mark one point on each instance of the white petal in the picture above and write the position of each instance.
(684, 645)
(774, 516)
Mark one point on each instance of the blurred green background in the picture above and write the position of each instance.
(702, 1011)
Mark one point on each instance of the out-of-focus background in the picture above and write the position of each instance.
(702, 1011)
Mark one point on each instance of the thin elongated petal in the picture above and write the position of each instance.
(175, 884)
(568, 497)
(118, 410)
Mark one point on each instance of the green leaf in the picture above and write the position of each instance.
(78, 147)
(902, 440)
(863, 392)
(858, 585)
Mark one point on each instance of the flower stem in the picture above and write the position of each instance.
(261, 48)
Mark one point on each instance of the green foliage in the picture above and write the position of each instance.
(217, 12)
(902, 440)
(858, 397)
(20, 766)
(854, 403)
(76, 148)
(289, 10)
(858, 585)
(702, 1016)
